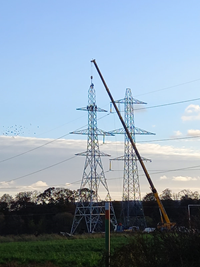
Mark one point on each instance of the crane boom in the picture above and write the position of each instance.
(167, 223)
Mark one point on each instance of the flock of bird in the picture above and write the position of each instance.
(18, 130)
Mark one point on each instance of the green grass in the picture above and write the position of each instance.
(79, 251)
(158, 249)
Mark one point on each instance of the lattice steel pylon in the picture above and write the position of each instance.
(132, 210)
(89, 205)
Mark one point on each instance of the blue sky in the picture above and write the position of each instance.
(151, 47)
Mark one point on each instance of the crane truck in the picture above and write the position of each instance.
(165, 221)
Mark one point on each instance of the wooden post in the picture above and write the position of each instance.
(107, 232)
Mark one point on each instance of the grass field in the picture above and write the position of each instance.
(158, 249)
(54, 250)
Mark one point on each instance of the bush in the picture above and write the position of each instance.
(159, 250)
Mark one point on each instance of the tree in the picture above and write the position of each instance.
(85, 194)
(7, 199)
(149, 197)
(63, 195)
(166, 194)
(21, 200)
(46, 197)
(187, 194)
(55, 195)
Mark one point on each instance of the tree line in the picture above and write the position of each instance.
(52, 211)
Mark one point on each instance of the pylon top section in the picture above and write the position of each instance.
(129, 99)
(92, 109)
(92, 100)
(128, 102)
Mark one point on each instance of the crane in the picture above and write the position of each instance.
(165, 221)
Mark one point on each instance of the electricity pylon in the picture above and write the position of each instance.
(132, 210)
(89, 206)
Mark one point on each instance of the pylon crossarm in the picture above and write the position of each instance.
(92, 107)
(133, 130)
(133, 157)
(129, 100)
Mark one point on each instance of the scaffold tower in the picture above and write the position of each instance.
(132, 210)
(90, 207)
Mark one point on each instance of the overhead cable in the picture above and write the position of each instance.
(169, 104)
(169, 87)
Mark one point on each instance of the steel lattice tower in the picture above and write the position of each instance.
(90, 207)
(132, 210)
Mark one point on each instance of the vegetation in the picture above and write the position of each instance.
(176, 206)
(30, 224)
(85, 250)
(52, 211)
(159, 250)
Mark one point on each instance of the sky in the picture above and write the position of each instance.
(46, 50)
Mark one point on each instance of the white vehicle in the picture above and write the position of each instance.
(149, 230)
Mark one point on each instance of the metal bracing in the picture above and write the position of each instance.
(132, 211)
(89, 207)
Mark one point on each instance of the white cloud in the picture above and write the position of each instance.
(70, 172)
(23, 144)
(193, 132)
(62, 149)
(184, 178)
(5, 184)
(156, 149)
(39, 184)
(164, 177)
(177, 133)
(192, 113)
(150, 150)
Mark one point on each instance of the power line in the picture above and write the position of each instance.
(169, 87)
(179, 138)
(179, 169)
(162, 105)
(50, 185)
(157, 172)
(45, 144)
(169, 104)
(169, 139)
(23, 153)
(53, 165)
(162, 172)
(48, 167)
(61, 125)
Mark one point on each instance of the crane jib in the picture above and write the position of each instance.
(169, 224)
